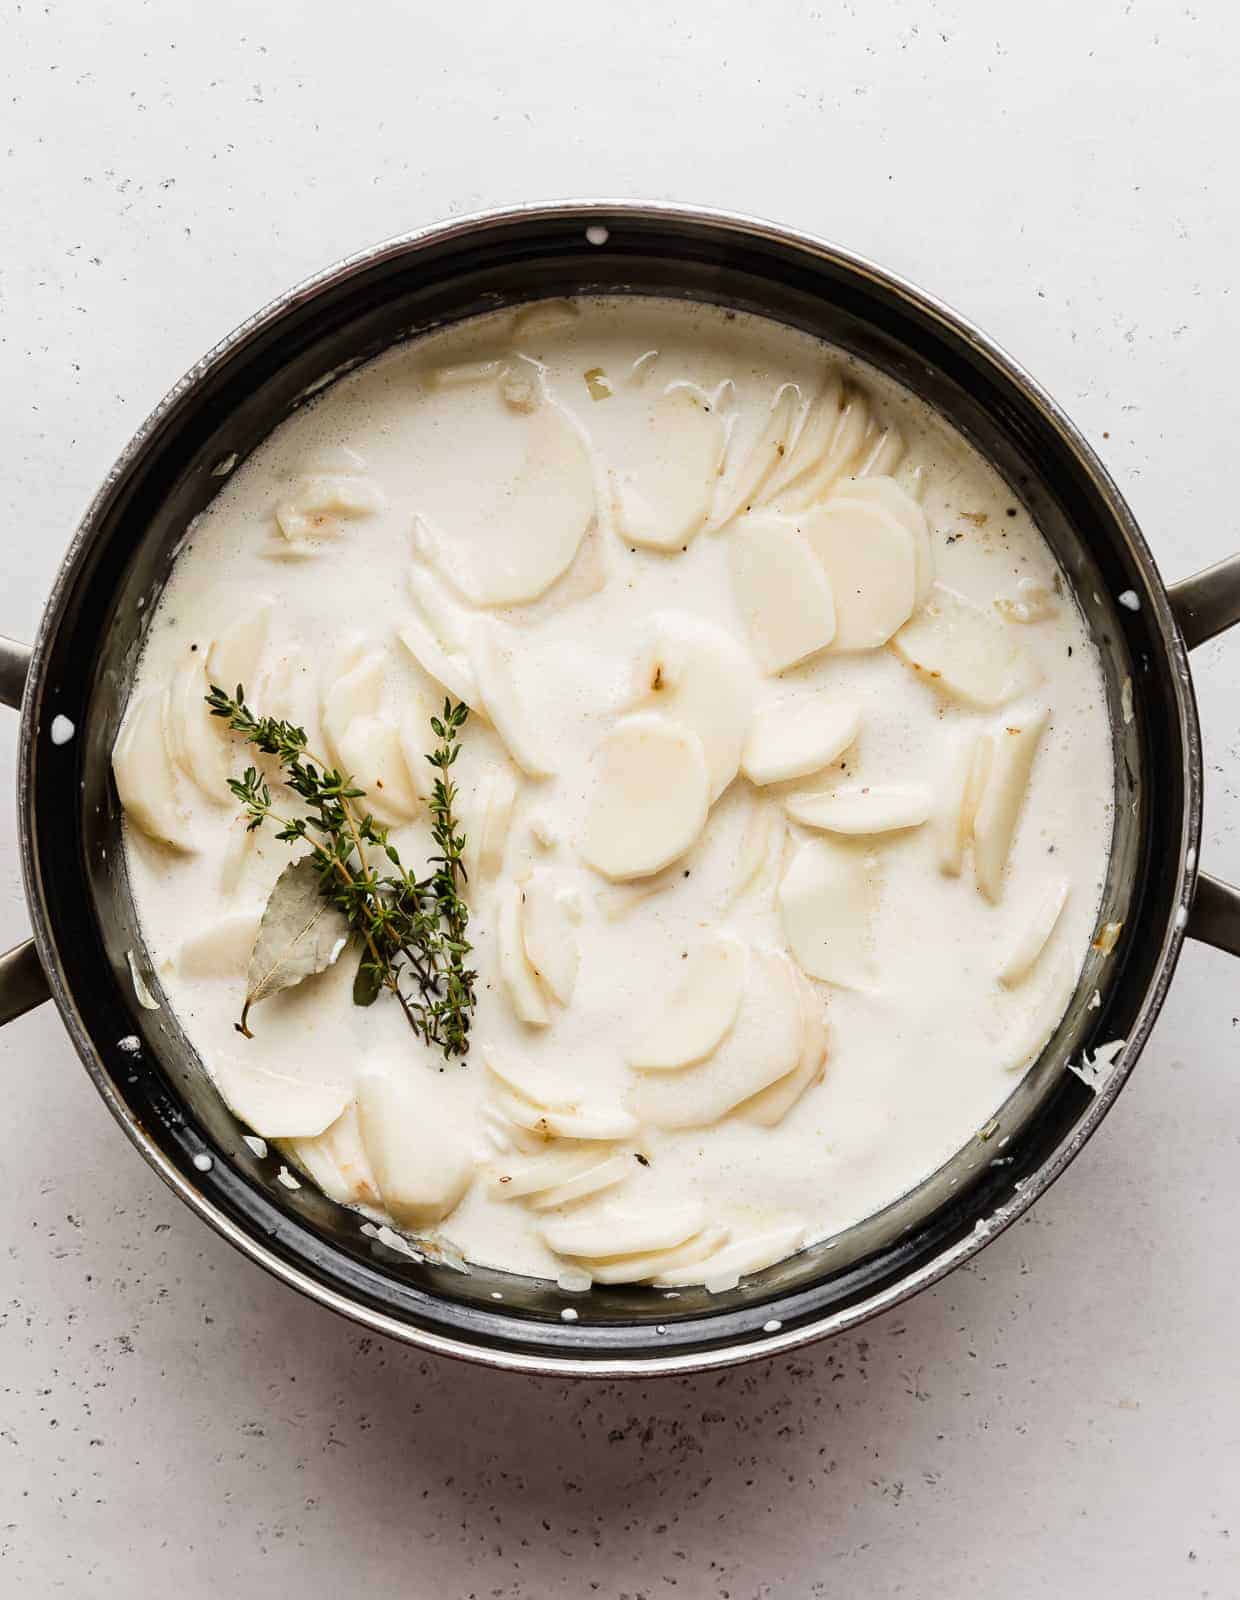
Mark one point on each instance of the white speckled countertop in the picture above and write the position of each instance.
(1061, 1420)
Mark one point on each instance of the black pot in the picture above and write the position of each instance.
(82, 662)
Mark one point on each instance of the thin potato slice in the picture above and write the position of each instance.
(651, 793)
(782, 591)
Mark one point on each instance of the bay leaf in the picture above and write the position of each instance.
(301, 933)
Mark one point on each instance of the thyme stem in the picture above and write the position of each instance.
(406, 924)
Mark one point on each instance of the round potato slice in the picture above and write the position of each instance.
(796, 737)
(651, 794)
(663, 498)
(965, 652)
(879, 489)
(870, 560)
(421, 1161)
(825, 904)
(782, 591)
(696, 674)
(862, 809)
(145, 777)
(273, 1105)
(699, 1011)
(762, 1047)
(625, 1233)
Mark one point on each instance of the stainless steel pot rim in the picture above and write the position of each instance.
(612, 215)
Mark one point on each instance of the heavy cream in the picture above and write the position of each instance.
(787, 784)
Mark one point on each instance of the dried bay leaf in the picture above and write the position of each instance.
(301, 933)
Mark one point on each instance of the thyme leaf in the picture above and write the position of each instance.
(412, 931)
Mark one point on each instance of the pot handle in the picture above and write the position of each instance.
(1205, 605)
(23, 984)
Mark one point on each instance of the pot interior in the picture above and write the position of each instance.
(93, 637)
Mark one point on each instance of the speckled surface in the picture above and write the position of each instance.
(1062, 1420)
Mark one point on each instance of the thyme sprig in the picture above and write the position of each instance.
(409, 927)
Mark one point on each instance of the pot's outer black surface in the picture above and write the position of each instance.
(91, 634)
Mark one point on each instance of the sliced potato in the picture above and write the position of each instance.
(235, 654)
(453, 674)
(811, 441)
(319, 502)
(1037, 926)
(782, 591)
(863, 808)
(371, 750)
(962, 798)
(625, 1233)
(550, 941)
(590, 1123)
(618, 900)
(524, 1079)
(416, 740)
(881, 454)
(288, 690)
(607, 1174)
(663, 496)
(852, 427)
(741, 488)
(798, 736)
(699, 1011)
(1029, 1035)
(421, 1160)
(437, 638)
(696, 674)
(519, 1178)
(238, 854)
(355, 690)
(764, 831)
(509, 540)
(1016, 744)
(519, 977)
(826, 907)
(869, 559)
(489, 818)
(221, 950)
(751, 1254)
(642, 1268)
(504, 700)
(273, 1105)
(198, 741)
(770, 1106)
(650, 797)
(442, 615)
(763, 1045)
(880, 489)
(965, 651)
(145, 777)
(336, 1161)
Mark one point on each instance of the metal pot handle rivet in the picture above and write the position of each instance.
(1205, 605)
(23, 984)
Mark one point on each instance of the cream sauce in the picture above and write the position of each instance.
(394, 471)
